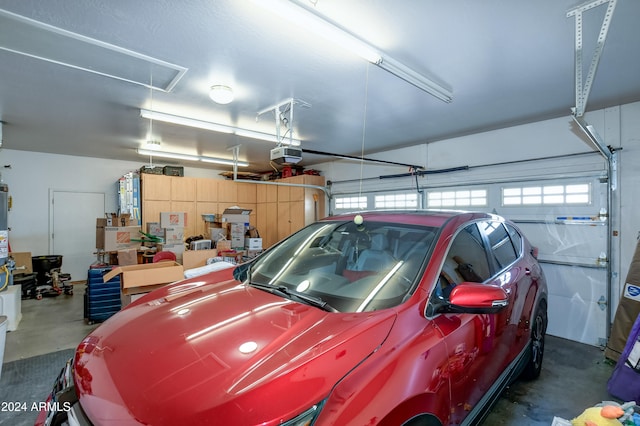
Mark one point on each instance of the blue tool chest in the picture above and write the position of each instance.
(101, 300)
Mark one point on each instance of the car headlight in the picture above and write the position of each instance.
(307, 418)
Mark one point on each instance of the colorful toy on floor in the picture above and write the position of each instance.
(608, 413)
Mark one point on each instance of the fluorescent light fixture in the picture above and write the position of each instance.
(412, 77)
(215, 127)
(308, 19)
(184, 121)
(187, 157)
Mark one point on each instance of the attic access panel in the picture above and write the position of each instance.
(38, 40)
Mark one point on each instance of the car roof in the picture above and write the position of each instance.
(435, 218)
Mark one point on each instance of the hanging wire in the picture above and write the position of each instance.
(150, 136)
(364, 128)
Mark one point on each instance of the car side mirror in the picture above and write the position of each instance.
(474, 298)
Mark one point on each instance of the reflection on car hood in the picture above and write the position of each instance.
(197, 352)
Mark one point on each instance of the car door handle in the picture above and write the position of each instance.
(527, 271)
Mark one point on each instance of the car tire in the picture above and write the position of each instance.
(423, 420)
(536, 347)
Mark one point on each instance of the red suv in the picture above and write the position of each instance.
(390, 318)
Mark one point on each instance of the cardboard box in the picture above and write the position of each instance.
(173, 235)
(127, 257)
(126, 299)
(217, 234)
(177, 249)
(122, 219)
(154, 228)
(223, 245)
(236, 215)
(197, 258)
(253, 243)
(148, 274)
(114, 238)
(23, 262)
(237, 235)
(171, 219)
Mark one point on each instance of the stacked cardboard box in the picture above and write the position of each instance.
(113, 233)
(238, 219)
(172, 225)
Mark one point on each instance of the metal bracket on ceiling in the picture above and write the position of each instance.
(283, 117)
(582, 91)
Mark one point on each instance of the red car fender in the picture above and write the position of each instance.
(403, 378)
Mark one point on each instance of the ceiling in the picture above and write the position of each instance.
(507, 62)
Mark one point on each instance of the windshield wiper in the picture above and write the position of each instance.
(286, 292)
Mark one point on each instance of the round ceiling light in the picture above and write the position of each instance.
(221, 94)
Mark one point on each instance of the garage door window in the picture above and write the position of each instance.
(350, 203)
(575, 194)
(460, 198)
(396, 201)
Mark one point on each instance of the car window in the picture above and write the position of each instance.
(502, 247)
(354, 268)
(516, 239)
(466, 260)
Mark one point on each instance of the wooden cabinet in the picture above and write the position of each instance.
(283, 210)
(156, 187)
(206, 190)
(278, 210)
(183, 189)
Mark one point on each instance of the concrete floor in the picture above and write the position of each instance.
(573, 378)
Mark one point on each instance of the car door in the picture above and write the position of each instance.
(514, 276)
(466, 336)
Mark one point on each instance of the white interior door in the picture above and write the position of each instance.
(73, 229)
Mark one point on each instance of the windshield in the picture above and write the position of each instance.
(351, 268)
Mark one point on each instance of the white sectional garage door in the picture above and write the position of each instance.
(561, 205)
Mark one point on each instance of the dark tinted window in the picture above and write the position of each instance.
(467, 259)
(516, 239)
(502, 247)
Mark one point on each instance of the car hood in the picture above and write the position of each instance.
(213, 349)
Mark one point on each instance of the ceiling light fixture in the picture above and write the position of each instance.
(308, 19)
(207, 125)
(221, 94)
(187, 157)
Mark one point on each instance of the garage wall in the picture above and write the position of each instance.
(496, 156)
(30, 176)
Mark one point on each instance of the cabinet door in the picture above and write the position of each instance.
(228, 192)
(151, 211)
(155, 187)
(183, 189)
(261, 222)
(271, 229)
(272, 193)
(283, 193)
(296, 193)
(246, 193)
(207, 190)
(261, 192)
(284, 220)
(296, 216)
